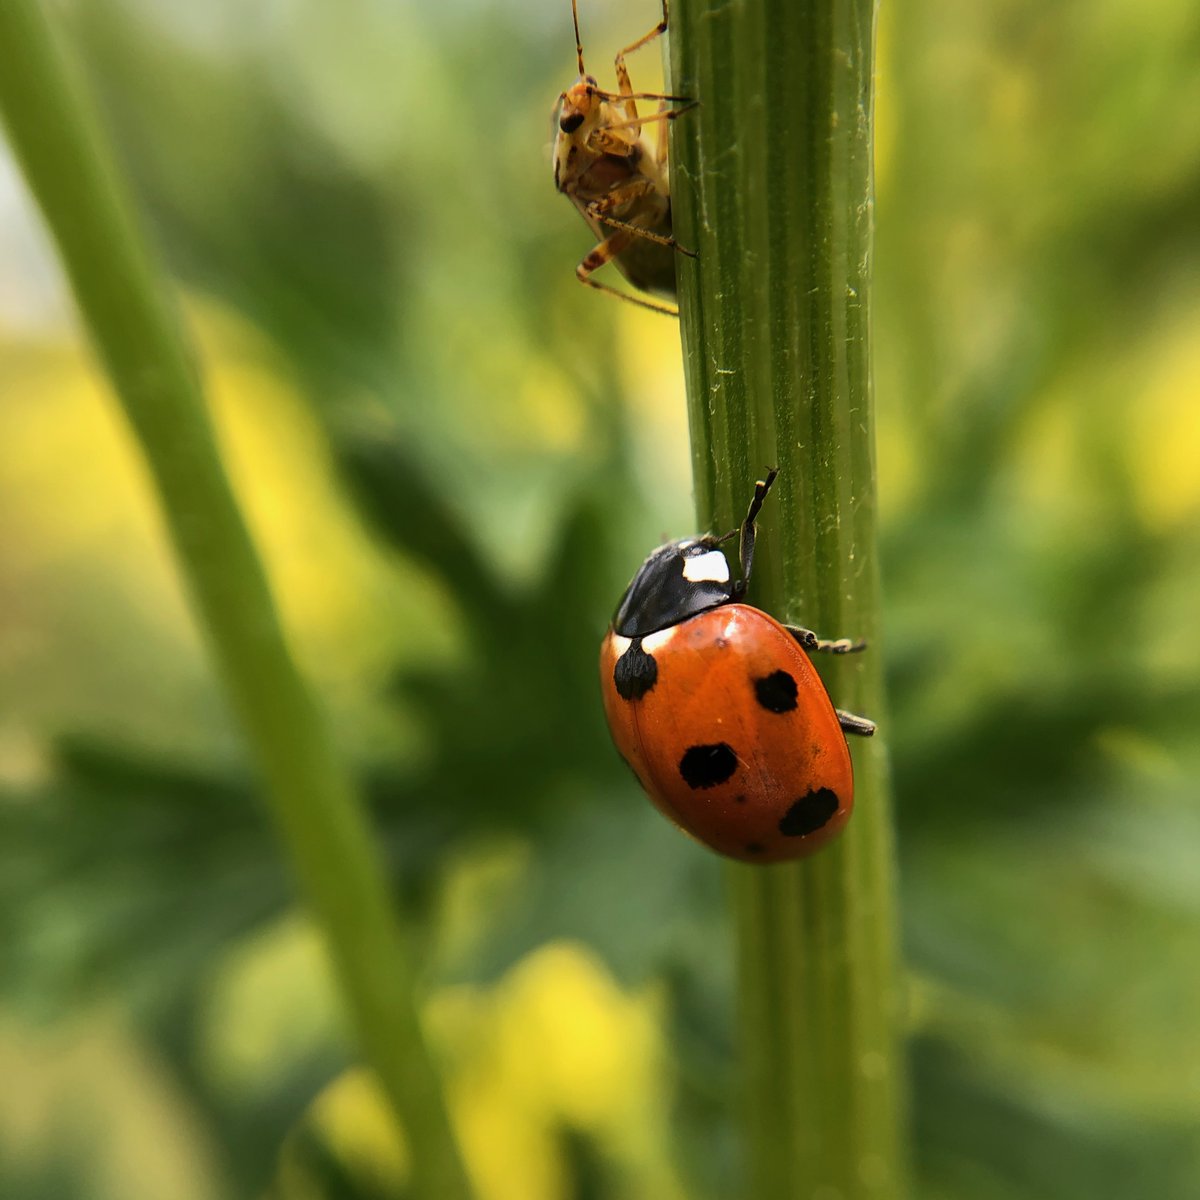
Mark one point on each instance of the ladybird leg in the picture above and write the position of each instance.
(856, 725)
(810, 641)
(746, 546)
(605, 252)
(841, 645)
(805, 637)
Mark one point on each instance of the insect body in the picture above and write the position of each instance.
(718, 709)
(615, 174)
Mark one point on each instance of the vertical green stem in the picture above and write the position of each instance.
(771, 184)
(318, 814)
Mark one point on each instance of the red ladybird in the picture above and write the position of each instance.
(718, 710)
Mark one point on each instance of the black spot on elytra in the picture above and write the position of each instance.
(636, 672)
(776, 692)
(706, 766)
(809, 813)
(754, 847)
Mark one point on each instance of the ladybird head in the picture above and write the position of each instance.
(688, 577)
(677, 581)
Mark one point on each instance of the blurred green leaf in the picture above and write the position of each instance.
(368, 190)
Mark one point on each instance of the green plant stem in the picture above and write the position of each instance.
(771, 184)
(317, 812)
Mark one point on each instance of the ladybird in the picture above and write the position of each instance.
(718, 709)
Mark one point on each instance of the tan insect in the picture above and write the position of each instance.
(606, 163)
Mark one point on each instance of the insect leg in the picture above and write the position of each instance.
(601, 208)
(663, 114)
(623, 84)
(605, 252)
(852, 724)
(621, 194)
(638, 231)
(605, 139)
(810, 641)
(620, 96)
(578, 43)
(598, 213)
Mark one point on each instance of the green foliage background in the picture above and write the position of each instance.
(453, 457)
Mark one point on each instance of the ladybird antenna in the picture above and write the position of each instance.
(578, 43)
(746, 547)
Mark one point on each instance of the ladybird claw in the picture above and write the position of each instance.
(850, 723)
(805, 637)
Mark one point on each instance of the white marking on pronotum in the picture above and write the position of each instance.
(710, 567)
(621, 644)
(654, 642)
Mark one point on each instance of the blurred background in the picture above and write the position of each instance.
(453, 457)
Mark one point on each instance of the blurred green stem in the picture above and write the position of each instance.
(319, 816)
(772, 185)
